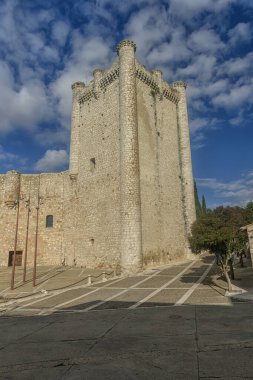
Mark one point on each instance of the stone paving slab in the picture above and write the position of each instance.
(156, 281)
(155, 341)
(185, 283)
(161, 322)
(209, 342)
(15, 354)
(173, 271)
(48, 278)
(236, 318)
(226, 362)
(38, 374)
(161, 343)
(125, 300)
(91, 299)
(76, 327)
(59, 298)
(164, 297)
(152, 366)
(128, 281)
(208, 301)
(149, 366)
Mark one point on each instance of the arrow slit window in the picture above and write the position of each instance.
(49, 221)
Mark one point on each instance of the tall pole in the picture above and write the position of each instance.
(15, 247)
(36, 237)
(26, 239)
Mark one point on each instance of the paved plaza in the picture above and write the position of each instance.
(172, 322)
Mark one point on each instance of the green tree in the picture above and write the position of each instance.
(218, 231)
(249, 213)
(203, 204)
(197, 202)
(249, 206)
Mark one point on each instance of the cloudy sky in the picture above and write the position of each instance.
(45, 45)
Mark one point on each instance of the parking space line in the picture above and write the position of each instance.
(21, 281)
(106, 286)
(194, 287)
(61, 292)
(77, 298)
(80, 274)
(124, 291)
(54, 269)
(162, 287)
(117, 291)
(18, 283)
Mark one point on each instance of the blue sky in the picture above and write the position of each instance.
(45, 45)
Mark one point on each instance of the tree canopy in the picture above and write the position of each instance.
(219, 231)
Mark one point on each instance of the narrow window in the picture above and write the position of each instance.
(49, 221)
(92, 164)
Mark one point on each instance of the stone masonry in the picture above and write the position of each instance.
(127, 200)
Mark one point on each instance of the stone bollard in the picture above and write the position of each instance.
(89, 280)
(104, 276)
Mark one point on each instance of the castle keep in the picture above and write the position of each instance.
(127, 199)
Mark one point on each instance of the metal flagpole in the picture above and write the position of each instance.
(27, 205)
(15, 246)
(36, 237)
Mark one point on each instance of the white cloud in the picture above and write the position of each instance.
(148, 27)
(187, 10)
(60, 31)
(202, 67)
(235, 97)
(167, 52)
(238, 65)
(52, 160)
(22, 106)
(88, 54)
(236, 192)
(198, 123)
(8, 160)
(205, 40)
(240, 33)
(198, 141)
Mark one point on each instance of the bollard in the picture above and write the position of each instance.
(89, 279)
(103, 276)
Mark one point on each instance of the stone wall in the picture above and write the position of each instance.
(250, 237)
(92, 237)
(163, 226)
(50, 189)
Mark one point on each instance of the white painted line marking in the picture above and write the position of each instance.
(38, 287)
(77, 298)
(80, 274)
(191, 290)
(123, 292)
(58, 292)
(162, 287)
(17, 284)
(61, 292)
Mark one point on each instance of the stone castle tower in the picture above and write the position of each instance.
(127, 199)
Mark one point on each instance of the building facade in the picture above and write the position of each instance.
(127, 199)
(249, 229)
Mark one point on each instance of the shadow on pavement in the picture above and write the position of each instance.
(186, 342)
